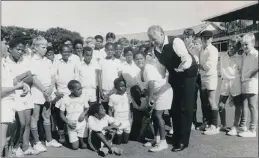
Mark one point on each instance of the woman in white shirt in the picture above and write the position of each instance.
(160, 95)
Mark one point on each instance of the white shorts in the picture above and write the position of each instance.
(7, 111)
(37, 96)
(163, 98)
(90, 93)
(230, 87)
(80, 131)
(250, 86)
(209, 82)
(23, 103)
(125, 127)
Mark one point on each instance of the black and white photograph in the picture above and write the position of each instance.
(128, 79)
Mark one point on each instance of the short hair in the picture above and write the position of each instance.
(78, 41)
(110, 35)
(87, 49)
(39, 40)
(189, 32)
(124, 41)
(117, 44)
(15, 42)
(127, 49)
(197, 38)
(153, 28)
(94, 109)
(137, 53)
(117, 82)
(50, 48)
(90, 40)
(109, 44)
(249, 37)
(143, 46)
(71, 84)
(98, 36)
(66, 38)
(236, 40)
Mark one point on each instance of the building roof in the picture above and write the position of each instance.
(248, 12)
(196, 28)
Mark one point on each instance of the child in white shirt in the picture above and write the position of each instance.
(88, 72)
(120, 110)
(76, 106)
(110, 70)
(249, 81)
(102, 130)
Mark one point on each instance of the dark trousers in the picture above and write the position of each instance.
(182, 108)
(198, 89)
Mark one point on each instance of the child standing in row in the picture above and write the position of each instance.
(120, 110)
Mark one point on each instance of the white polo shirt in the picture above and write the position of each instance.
(74, 58)
(230, 66)
(129, 73)
(6, 80)
(109, 72)
(74, 106)
(87, 74)
(99, 54)
(97, 125)
(121, 106)
(250, 64)
(65, 72)
(209, 61)
(42, 69)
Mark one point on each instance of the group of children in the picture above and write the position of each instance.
(90, 91)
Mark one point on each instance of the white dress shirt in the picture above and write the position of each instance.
(209, 61)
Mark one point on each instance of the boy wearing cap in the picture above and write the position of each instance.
(209, 79)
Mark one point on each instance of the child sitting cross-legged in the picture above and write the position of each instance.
(102, 130)
(76, 106)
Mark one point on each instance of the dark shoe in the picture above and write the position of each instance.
(179, 148)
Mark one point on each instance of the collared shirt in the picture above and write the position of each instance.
(7, 80)
(109, 72)
(129, 73)
(230, 66)
(74, 106)
(209, 61)
(99, 54)
(181, 50)
(250, 64)
(87, 74)
(74, 58)
(42, 69)
(65, 72)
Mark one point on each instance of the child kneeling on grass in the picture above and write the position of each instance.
(76, 107)
(102, 130)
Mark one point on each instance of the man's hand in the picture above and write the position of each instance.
(200, 67)
(150, 102)
(59, 95)
(25, 89)
(72, 125)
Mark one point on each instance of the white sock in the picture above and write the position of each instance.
(163, 142)
(157, 139)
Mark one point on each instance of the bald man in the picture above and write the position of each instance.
(183, 70)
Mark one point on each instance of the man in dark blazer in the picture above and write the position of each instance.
(183, 70)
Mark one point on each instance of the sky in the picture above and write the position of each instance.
(121, 17)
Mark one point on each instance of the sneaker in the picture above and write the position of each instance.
(171, 132)
(18, 152)
(39, 147)
(242, 129)
(224, 129)
(203, 127)
(232, 132)
(53, 143)
(31, 151)
(247, 134)
(149, 144)
(159, 147)
(212, 130)
(103, 151)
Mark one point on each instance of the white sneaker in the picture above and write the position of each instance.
(149, 144)
(53, 143)
(247, 134)
(242, 129)
(31, 151)
(18, 152)
(212, 130)
(171, 132)
(203, 127)
(159, 147)
(39, 147)
(232, 132)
